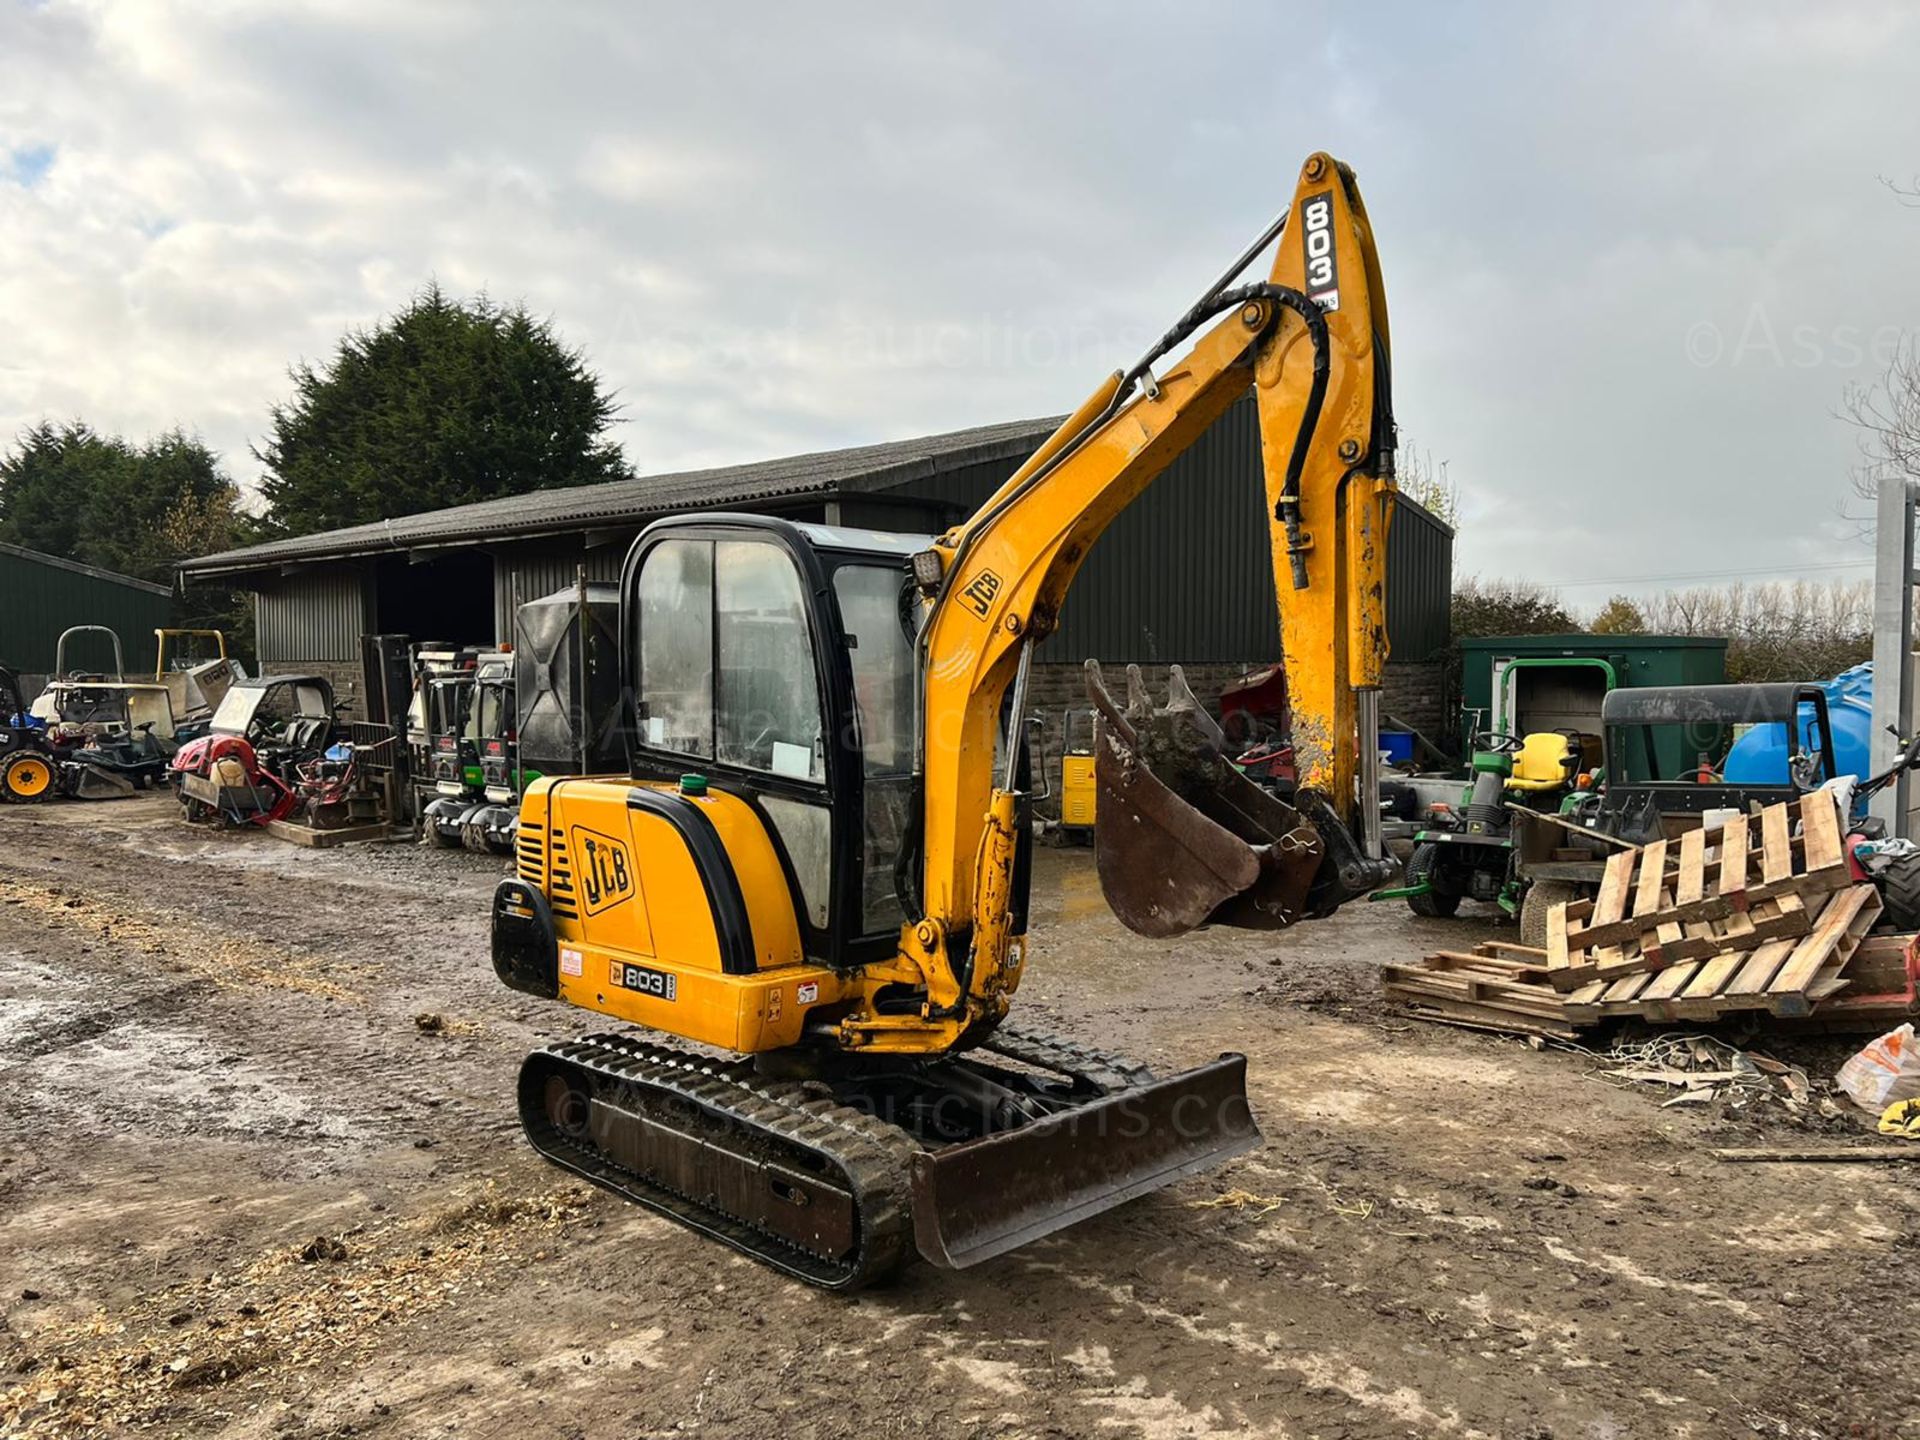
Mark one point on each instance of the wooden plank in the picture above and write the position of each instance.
(1776, 854)
(1650, 892)
(1625, 989)
(1477, 958)
(1671, 981)
(1610, 905)
(1843, 924)
(1733, 863)
(1466, 985)
(1582, 1007)
(1699, 1001)
(1607, 921)
(1557, 954)
(1476, 1018)
(1757, 973)
(1808, 887)
(1481, 1009)
(1691, 887)
(1859, 1155)
(1820, 826)
(1830, 983)
(1532, 954)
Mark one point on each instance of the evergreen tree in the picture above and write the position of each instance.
(446, 403)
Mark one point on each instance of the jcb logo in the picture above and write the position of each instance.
(980, 592)
(1323, 267)
(605, 870)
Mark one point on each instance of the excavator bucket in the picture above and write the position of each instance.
(979, 1199)
(84, 781)
(1182, 838)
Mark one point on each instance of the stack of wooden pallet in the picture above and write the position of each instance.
(1491, 987)
(1761, 915)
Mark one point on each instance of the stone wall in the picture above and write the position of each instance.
(345, 676)
(1415, 694)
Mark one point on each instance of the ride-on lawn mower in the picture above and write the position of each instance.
(196, 680)
(1469, 853)
(474, 757)
(248, 768)
(469, 711)
(107, 736)
(28, 770)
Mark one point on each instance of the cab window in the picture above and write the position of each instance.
(726, 657)
(675, 616)
(881, 651)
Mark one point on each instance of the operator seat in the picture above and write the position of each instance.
(1546, 760)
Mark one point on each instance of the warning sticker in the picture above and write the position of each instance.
(809, 992)
(570, 962)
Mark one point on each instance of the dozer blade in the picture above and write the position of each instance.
(981, 1198)
(1182, 838)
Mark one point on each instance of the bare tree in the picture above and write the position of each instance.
(1427, 484)
(1907, 192)
(1887, 416)
(1779, 630)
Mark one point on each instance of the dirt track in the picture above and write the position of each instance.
(213, 1055)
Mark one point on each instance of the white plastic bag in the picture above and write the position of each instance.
(1888, 1069)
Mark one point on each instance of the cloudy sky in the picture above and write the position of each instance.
(1636, 253)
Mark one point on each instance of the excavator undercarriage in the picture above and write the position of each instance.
(838, 1180)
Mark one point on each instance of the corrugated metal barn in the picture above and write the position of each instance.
(42, 595)
(1180, 576)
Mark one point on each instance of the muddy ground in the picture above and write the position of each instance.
(259, 1177)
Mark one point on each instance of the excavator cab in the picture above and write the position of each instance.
(776, 661)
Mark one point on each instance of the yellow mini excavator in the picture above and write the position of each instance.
(819, 860)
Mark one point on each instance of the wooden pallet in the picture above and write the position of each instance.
(1670, 902)
(1786, 977)
(1883, 990)
(1508, 987)
(1494, 986)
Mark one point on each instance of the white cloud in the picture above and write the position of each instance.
(776, 227)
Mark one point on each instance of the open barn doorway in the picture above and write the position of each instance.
(449, 597)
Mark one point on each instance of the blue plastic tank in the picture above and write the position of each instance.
(1759, 757)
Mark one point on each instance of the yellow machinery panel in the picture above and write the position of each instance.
(655, 931)
(1076, 790)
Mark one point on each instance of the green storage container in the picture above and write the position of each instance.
(1561, 678)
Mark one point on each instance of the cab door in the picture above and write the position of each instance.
(737, 674)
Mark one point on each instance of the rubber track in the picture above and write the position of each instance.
(1107, 1072)
(872, 1155)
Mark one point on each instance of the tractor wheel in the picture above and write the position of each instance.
(26, 778)
(1899, 886)
(1420, 867)
(1542, 896)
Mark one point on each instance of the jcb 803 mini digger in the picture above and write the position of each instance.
(819, 860)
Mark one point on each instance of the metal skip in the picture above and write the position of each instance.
(1182, 838)
(981, 1198)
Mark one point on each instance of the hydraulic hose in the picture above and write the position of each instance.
(1287, 511)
